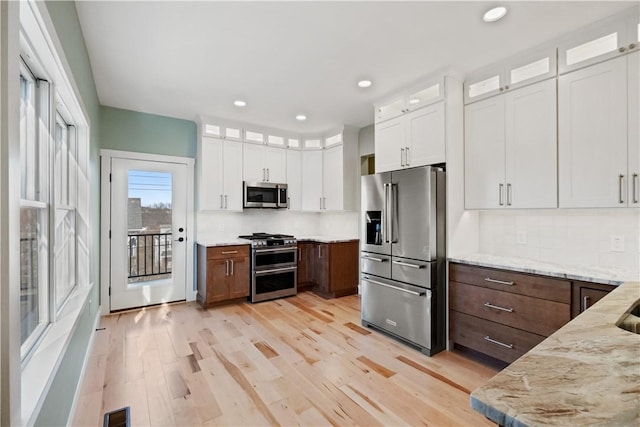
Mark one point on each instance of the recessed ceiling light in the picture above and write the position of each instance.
(239, 103)
(301, 117)
(364, 83)
(494, 14)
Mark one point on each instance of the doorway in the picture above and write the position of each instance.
(149, 229)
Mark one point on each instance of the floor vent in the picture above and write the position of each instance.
(117, 418)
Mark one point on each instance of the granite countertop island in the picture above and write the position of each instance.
(232, 241)
(586, 373)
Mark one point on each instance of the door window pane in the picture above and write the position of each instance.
(149, 219)
(33, 271)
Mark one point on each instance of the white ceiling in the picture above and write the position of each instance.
(185, 59)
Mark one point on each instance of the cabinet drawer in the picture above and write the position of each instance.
(421, 273)
(541, 317)
(220, 252)
(376, 264)
(496, 340)
(509, 281)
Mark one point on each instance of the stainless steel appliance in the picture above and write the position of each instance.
(274, 266)
(402, 251)
(265, 195)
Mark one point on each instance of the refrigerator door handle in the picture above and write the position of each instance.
(394, 207)
(385, 213)
(395, 288)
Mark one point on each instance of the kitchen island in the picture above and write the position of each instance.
(587, 372)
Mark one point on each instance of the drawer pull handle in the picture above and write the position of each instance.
(501, 282)
(406, 264)
(585, 302)
(370, 258)
(395, 288)
(229, 252)
(488, 338)
(508, 310)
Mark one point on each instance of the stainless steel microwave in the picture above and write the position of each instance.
(265, 195)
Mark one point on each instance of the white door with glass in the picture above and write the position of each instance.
(148, 232)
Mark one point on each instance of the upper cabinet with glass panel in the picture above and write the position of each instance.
(613, 37)
(410, 100)
(522, 70)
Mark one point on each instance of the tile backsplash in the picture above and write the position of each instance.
(229, 225)
(599, 238)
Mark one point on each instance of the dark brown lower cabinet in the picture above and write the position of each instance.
(503, 314)
(223, 274)
(585, 294)
(331, 269)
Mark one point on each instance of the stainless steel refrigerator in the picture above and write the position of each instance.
(402, 255)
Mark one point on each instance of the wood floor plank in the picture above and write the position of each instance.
(302, 360)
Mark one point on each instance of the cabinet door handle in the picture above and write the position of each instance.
(319, 251)
(585, 302)
(508, 194)
(635, 188)
(232, 265)
(267, 174)
(620, 186)
(488, 338)
(406, 264)
(406, 156)
(500, 282)
(264, 175)
(324, 203)
(221, 203)
(497, 307)
(226, 263)
(229, 252)
(226, 206)
(500, 188)
(320, 202)
(402, 157)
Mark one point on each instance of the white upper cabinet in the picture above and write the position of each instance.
(411, 100)
(294, 179)
(510, 149)
(614, 37)
(633, 142)
(413, 139)
(332, 175)
(593, 135)
(263, 163)
(526, 69)
(312, 180)
(219, 174)
(410, 129)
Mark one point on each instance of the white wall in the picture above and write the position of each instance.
(574, 237)
(216, 226)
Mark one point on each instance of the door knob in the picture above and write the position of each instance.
(180, 229)
(180, 239)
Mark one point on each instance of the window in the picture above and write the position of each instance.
(34, 214)
(48, 189)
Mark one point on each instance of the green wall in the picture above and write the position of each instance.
(57, 405)
(146, 133)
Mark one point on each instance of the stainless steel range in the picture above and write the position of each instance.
(274, 266)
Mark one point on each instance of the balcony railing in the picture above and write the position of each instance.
(149, 255)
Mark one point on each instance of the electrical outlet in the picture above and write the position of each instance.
(521, 237)
(617, 243)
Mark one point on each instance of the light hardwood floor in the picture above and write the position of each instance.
(295, 361)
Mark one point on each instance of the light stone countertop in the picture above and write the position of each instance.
(236, 241)
(326, 239)
(586, 373)
(223, 242)
(607, 276)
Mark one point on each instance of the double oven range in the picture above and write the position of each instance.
(274, 266)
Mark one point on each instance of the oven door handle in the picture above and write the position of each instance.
(274, 270)
(266, 251)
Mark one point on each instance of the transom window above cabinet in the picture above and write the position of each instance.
(312, 143)
(411, 100)
(523, 70)
(614, 37)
